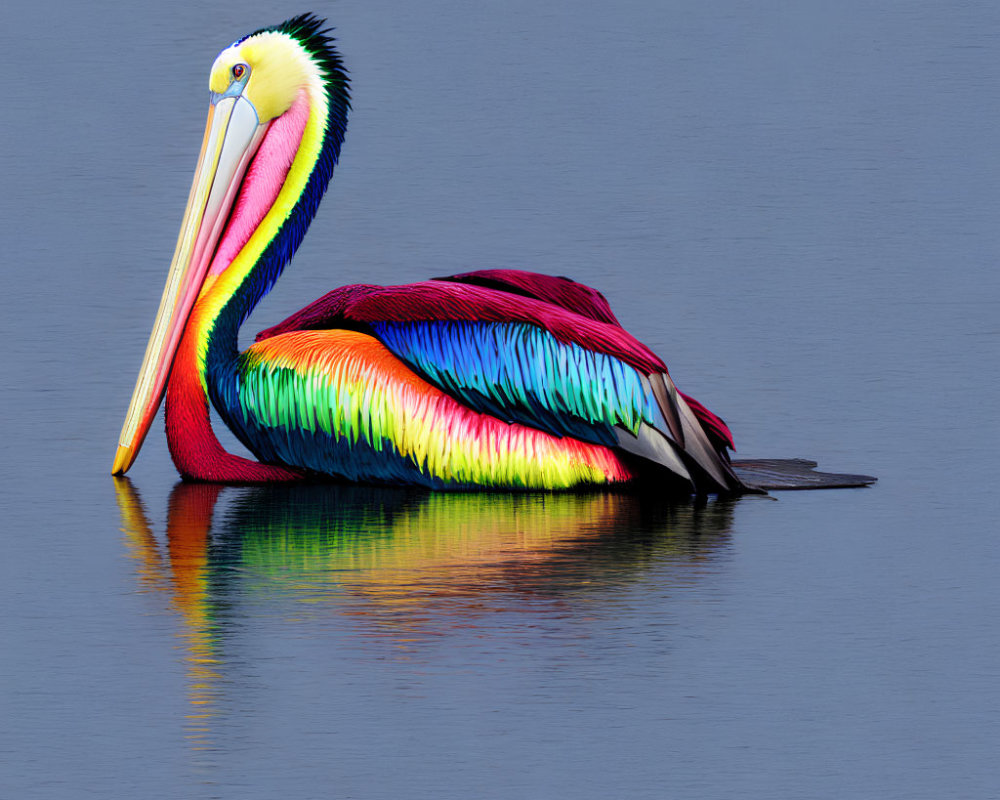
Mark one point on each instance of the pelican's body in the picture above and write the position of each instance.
(491, 379)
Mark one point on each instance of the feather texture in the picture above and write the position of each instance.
(339, 403)
(559, 291)
(521, 373)
(523, 358)
(351, 306)
(555, 304)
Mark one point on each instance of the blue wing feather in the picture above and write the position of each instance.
(521, 373)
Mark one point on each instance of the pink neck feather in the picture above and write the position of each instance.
(264, 179)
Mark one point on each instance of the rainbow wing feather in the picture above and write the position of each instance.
(554, 304)
(338, 402)
(514, 354)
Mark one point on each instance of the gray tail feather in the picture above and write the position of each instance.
(690, 454)
(793, 473)
(666, 398)
(700, 450)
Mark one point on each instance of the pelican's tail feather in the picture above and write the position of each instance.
(794, 473)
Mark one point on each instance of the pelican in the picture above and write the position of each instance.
(490, 379)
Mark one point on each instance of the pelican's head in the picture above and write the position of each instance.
(276, 120)
(265, 70)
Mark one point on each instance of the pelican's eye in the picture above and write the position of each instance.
(239, 70)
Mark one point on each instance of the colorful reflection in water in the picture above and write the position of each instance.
(395, 566)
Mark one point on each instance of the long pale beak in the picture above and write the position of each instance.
(232, 135)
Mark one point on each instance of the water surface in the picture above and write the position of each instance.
(795, 206)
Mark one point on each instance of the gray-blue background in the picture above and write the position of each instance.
(794, 203)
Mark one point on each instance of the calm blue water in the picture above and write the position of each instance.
(795, 205)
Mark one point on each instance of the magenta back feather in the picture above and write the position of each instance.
(563, 292)
(439, 301)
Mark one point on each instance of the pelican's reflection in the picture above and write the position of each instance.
(185, 577)
(397, 564)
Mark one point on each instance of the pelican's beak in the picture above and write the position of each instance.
(232, 136)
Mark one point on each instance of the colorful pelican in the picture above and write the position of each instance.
(496, 378)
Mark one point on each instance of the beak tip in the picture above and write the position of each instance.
(124, 457)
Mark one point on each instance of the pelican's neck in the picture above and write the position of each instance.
(276, 203)
(279, 197)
